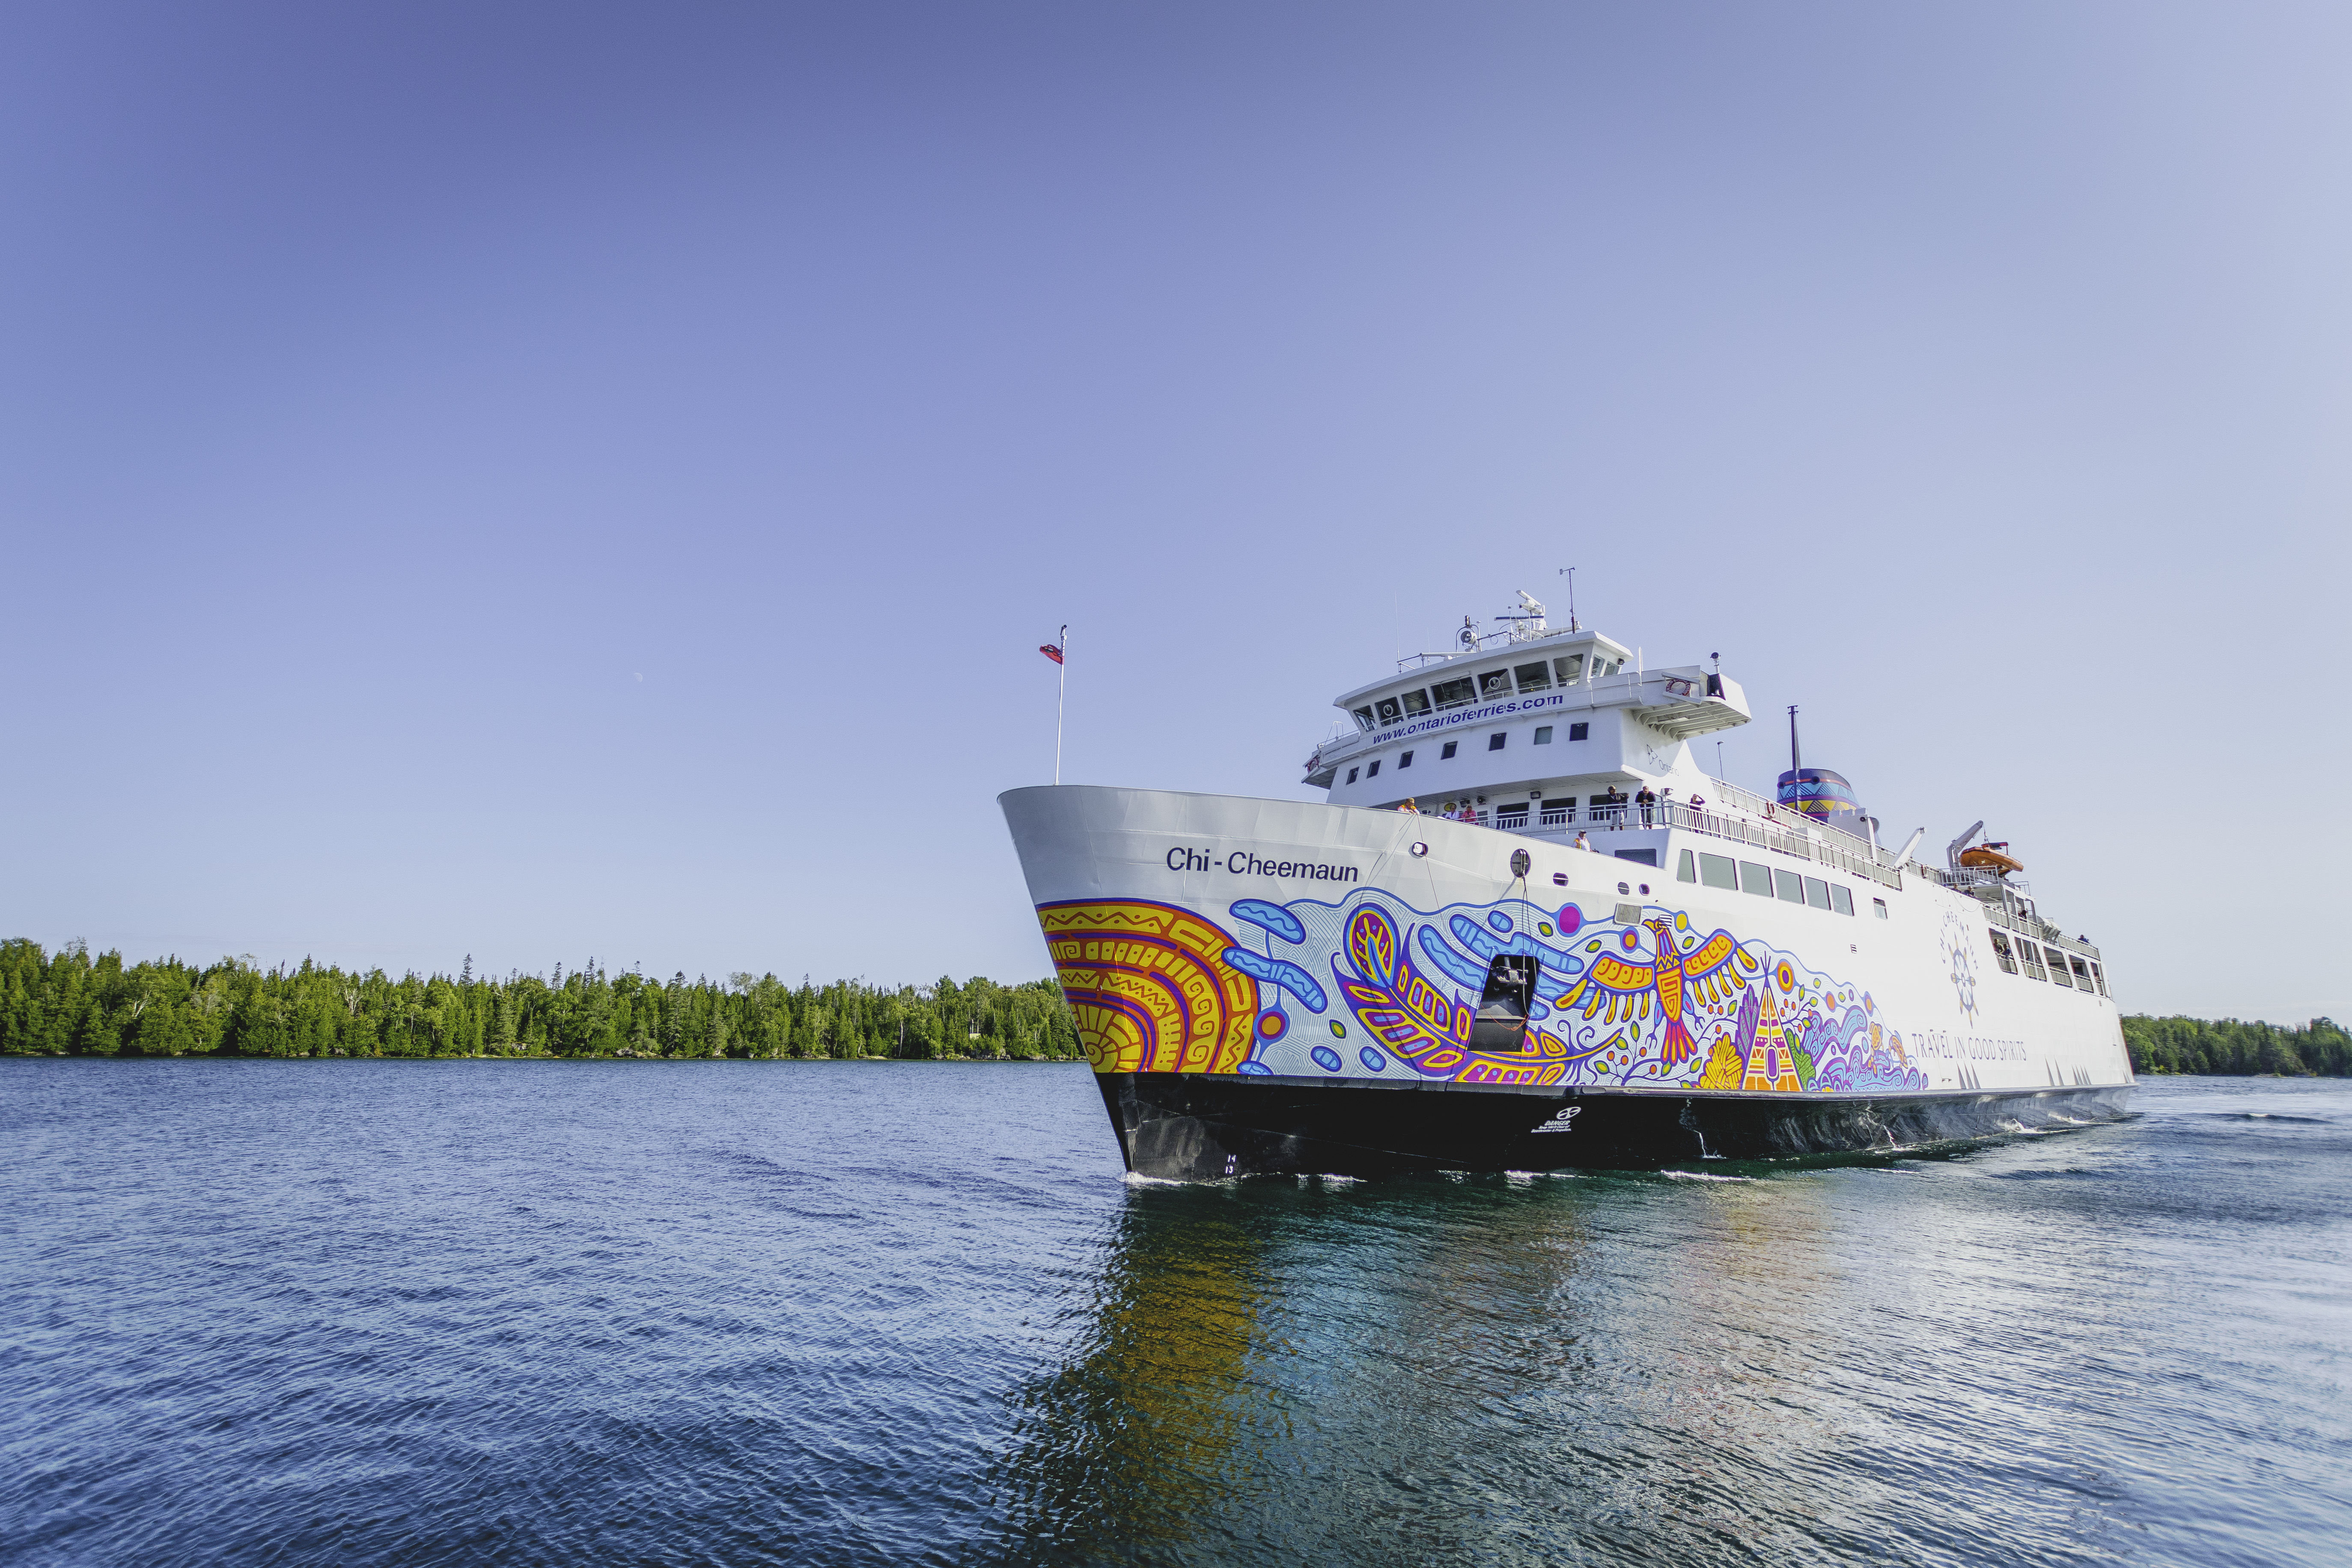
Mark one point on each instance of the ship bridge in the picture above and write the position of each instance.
(1483, 714)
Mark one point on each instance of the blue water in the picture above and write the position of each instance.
(748, 1313)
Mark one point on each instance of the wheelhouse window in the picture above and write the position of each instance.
(1495, 741)
(1578, 732)
(1446, 753)
(1536, 676)
(1455, 693)
(1388, 709)
(1364, 717)
(1569, 670)
(1493, 683)
(1543, 735)
(1416, 704)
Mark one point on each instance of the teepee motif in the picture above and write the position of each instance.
(1771, 1064)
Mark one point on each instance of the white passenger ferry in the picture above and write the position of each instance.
(1526, 931)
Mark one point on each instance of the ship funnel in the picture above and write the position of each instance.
(1818, 793)
(1825, 797)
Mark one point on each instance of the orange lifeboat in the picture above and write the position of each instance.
(1991, 857)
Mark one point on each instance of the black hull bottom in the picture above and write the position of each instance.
(1189, 1128)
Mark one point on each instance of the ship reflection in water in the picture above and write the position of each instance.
(1899, 1362)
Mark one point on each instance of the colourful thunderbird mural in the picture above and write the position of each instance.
(1647, 1003)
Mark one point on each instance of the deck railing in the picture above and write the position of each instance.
(1566, 816)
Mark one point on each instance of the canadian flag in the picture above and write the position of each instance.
(1050, 651)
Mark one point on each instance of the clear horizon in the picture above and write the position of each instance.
(560, 483)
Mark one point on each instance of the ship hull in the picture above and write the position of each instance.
(1277, 987)
(1180, 1127)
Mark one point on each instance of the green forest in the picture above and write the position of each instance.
(2229, 1046)
(70, 1003)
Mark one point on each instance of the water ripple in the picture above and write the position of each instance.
(743, 1313)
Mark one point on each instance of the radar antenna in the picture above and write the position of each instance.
(1569, 572)
(1526, 621)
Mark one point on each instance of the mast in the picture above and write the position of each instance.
(1795, 765)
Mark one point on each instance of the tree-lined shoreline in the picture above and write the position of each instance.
(71, 1004)
(2226, 1047)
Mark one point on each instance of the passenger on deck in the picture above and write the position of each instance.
(1582, 841)
(1648, 803)
(1408, 805)
(1697, 802)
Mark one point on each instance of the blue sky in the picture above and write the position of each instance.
(544, 482)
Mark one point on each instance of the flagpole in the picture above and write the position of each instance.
(1060, 694)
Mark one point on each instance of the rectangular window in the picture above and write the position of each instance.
(1454, 693)
(1389, 710)
(1878, 906)
(1556, 813)
(2030, 953)
(1405, 761)
(1639, 857)
(1534, 677)
(1840, 899)
(1447, 753)
(1754, 879)
(1512, 811)
(1570, 669)
(1495, 741)
(2057, 967)
(2082, 974)
(1493, 683)
(1789, 885)
(1686, 868)
(1817, 892)
(1543, 735)
(1373, 770)
(1351, 776)
(1416, 704)
(2000, 953)
(1578, 732)
(1719, 871)
(1364, 717)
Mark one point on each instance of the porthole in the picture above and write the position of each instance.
(1420, 848)
(1624, 887)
